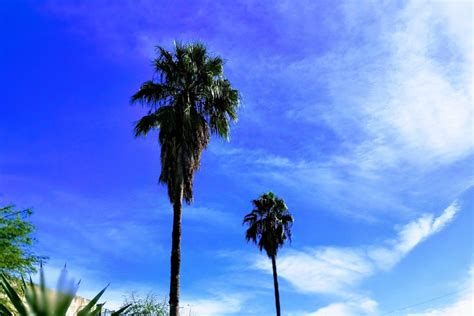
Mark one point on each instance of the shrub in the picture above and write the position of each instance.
(148, 305)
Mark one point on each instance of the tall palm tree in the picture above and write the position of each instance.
(188, 99)
(269, 227)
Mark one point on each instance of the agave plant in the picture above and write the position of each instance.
(37, 300)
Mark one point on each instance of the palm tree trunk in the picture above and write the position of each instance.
(176, 255)
(275, 284)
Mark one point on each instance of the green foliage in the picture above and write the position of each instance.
(37, 300)
(148, 305)
(16, 241)
(269, 223)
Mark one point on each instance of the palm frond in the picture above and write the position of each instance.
(162, 117)
(153, 94)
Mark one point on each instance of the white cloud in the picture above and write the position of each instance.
(463, 306)
(420, 111)
(407, 91)
(357, 307)
(323, 270)
(337, 270)
(410, 236)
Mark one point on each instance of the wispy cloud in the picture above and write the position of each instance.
(354, 307)
(412, 104)
(410, 236)
(428, 113)
(337, 270)
(464, 304)
(334, 184)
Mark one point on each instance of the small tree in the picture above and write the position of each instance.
(16, 240)
(147, 305)
(269, 227)
(16, 258)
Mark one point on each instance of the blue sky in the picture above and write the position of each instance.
(358, 113)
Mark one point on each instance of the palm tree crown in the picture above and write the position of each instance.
(188, 100)
(269, 223)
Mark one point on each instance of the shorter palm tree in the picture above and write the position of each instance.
(269, 227)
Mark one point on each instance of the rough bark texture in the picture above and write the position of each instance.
(275, 284)
(176, 255)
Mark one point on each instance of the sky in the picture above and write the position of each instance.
(359, 114)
